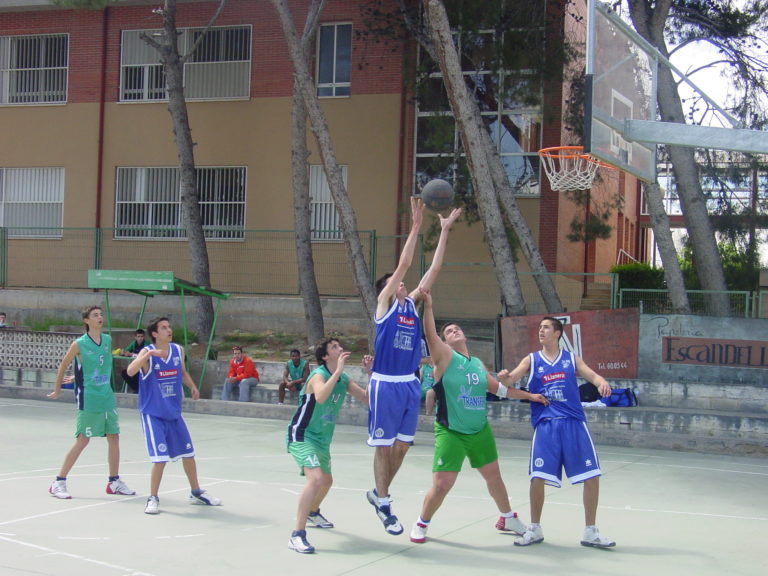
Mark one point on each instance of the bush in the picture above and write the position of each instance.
(639, 275)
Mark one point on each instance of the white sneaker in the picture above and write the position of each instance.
(532, 535)
(511, 524)
(119, 487)
(318, 520)
(419, 532)
(58, 489)
(205, 499)
(593, 539)
(153, 505)
(299, 542)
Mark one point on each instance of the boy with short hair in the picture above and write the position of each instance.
(163, 374)
(294, 376)
(96, 410)
(311, 431)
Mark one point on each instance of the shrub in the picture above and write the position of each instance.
(639, 275)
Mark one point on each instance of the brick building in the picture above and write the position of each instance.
(86, 145)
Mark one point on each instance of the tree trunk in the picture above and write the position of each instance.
(669, 259)
(468, 120)
(649, 22)
(524, 235)
(173, 66)
(313, 310)
(347, 219)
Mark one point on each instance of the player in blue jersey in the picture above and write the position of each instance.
(163, 375)
(394, 392)
(561, 439)
(96, 409)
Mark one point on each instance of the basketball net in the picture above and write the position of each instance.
(569, 168)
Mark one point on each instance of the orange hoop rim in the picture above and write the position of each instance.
(573, 152)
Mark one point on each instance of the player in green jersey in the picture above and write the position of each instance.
(96, 411)
(461, 423)
(311, 431)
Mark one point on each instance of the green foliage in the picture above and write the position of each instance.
(74, 321)
(85, 4)
(596, 226)
(639, 275)
(741, 267)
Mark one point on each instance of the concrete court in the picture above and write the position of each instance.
(671, 513)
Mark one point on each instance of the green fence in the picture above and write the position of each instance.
(658, 302)
(264, 262)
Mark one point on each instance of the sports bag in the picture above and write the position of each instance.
(620, 397)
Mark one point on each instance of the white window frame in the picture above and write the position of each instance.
(14, 76)
(527, 117)
(148, 203)
(335, 88)
(324, 217)
(223, 78)
(32, 202)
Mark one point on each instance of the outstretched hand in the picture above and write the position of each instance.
(417, 212)
(426, 296)
(447, 221)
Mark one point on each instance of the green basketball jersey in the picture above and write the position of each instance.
(295, 372)
(93, 374)
(461, 395)
(315, 422)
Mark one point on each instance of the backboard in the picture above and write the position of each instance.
(620, 86)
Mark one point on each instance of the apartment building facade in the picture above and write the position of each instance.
(86, 145)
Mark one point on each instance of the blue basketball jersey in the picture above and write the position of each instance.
(398, 340)
(161, 390)
(557, 381)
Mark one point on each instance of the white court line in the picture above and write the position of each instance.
(661, 511)
(51, 551)
(96, 504)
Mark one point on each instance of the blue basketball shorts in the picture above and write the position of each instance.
(166, 439)
(563, 444)
(393, 409)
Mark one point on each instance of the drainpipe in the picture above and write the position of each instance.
(102, 98)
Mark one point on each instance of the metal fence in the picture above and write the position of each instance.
(264, 262)
(743, 303)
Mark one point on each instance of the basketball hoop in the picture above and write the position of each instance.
(569, 168)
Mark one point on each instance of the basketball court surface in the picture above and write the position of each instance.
(670, 513)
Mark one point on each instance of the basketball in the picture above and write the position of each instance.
(437, 195)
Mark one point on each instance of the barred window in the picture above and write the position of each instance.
(220, 67)
(334, 60)
(324, 217)
(148, 203)
(509, 109)
(32, 202)
(33, 69)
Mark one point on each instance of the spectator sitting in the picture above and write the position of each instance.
(131, 351)
(295, 374)
(2, 320)
(241, 372)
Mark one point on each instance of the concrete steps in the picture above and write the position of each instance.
(700, 417)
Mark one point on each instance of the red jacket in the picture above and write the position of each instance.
(244, 369)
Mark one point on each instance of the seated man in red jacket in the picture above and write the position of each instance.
(242, 373)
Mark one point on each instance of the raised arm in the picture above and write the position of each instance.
(510, 377)
(322, 388)
(440, 351)
(358, 392)
(140, 362)
(406, 258)
(503, 391)
(430, 276)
